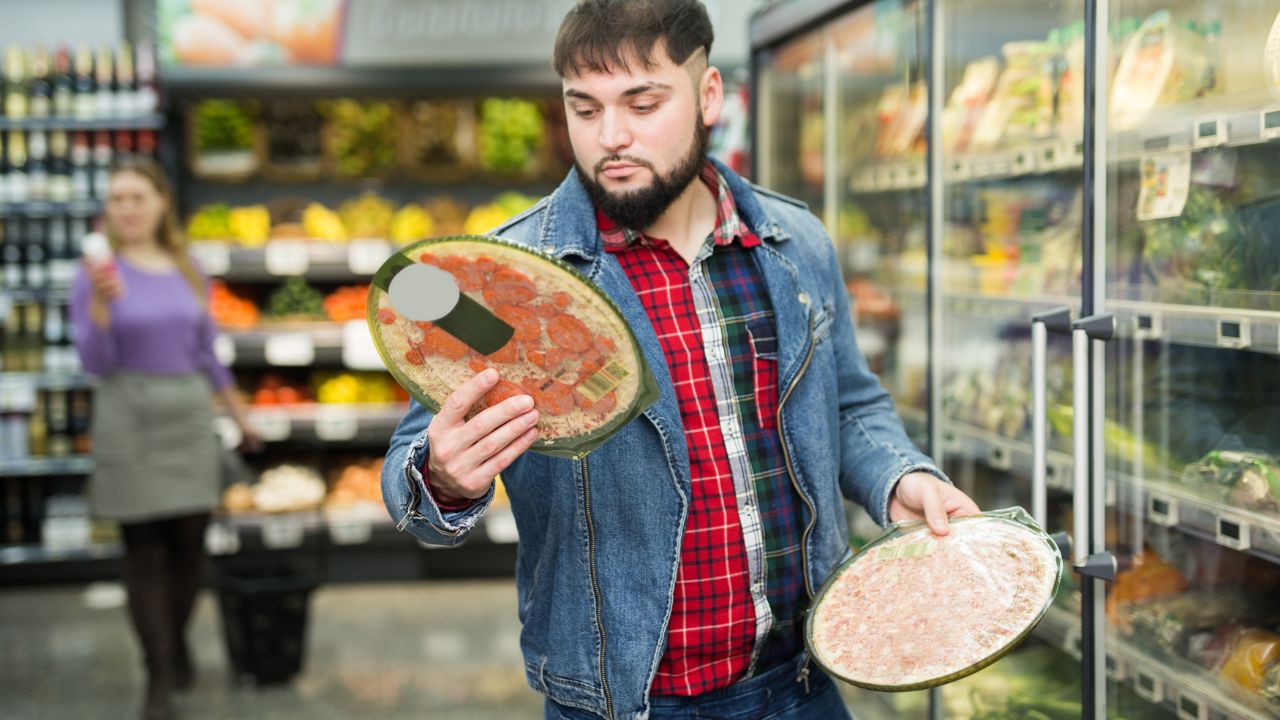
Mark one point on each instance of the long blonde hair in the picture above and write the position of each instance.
(169, 234)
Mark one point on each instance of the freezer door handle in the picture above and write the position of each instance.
(1058, 321)
(1063, 541)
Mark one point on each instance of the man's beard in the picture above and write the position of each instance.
(638, 209)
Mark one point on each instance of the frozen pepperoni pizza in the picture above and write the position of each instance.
(913, 610)
(547, 330)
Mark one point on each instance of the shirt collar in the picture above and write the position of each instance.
(728, 228)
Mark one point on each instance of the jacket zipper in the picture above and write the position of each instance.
(803, 675)
(595, 585)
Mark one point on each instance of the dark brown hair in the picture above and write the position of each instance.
(600, 35)
(168, 235)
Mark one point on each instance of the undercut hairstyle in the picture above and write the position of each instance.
(605, 36)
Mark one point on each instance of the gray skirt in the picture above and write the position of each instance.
(154, 449)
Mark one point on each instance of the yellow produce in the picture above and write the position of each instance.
(250, 226)
(410, 224)
(367, 216)
(347, 388)
(321, 223)
(484, 218)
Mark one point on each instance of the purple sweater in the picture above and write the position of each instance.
(157, 326)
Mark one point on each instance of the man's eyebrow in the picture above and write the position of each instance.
(630, 92)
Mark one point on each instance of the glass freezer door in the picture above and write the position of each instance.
(792, 147)
(1191, 434)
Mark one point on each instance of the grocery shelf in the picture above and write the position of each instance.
(1227, 327)
(48, 380)
(1005, 306)
(1203, 124)
(285, 344)
(39, 554)
(1182, 687)
(1047, 156)
(44, 208)
(328, 422)
(153, 121)
(1006, 454)
(332, 81)
(33, 467)
(279, 259)
(354, 525)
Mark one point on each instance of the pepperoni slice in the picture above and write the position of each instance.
(603, 344)
(537, 357)
(386, 316)
(504, 390)
(569, 333)
(561, 300)
(477, 365)
(602, 406)
(528, 328)
(513, 287)
(429, 259)
(438, 342)
(546, 311)
(470, 277)
(486, 264)
(552, 397)
(506, 354)
(589, 367)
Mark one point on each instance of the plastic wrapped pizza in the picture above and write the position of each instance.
(442, 310)
(913, 610)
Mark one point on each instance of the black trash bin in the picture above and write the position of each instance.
(264, 617)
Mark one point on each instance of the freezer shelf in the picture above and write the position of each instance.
(1184, 689)
(1162, 503)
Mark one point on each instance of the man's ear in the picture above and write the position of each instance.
(711, 95)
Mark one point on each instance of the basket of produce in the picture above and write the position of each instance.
(361, 137)
(223, 140)
(437, 139)
(442, 310)
(912, 610)
(293, 147)
(511, 140)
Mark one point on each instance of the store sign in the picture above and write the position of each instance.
(231, 34)
(497, 32)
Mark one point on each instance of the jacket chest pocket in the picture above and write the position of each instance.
(763, 335)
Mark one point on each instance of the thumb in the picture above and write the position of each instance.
(935, 512)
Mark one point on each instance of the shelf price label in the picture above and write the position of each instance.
(365, 257)
(1147, 326)
(1270, 124)
(336, 424)
(272, 425)
(290, 349)
(1191, 707)
(1024, 161)
(221, 538)
(1115, 668)
(1000, 456)
(1148, 686)
(1233, 333)
(224, 348)
(1162, 510)
(1209, 132)
(1071, 642)
(1232, 532)
(958, 169)
(358, 350)
(214, 257)
(287, 257)
(283, 531)
(350, 532)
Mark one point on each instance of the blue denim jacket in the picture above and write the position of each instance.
(600, 537)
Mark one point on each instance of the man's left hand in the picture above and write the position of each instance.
(921, 496)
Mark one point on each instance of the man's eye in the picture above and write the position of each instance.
(643, 108)
(584, 113)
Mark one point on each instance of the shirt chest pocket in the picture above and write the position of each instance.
(763, 335)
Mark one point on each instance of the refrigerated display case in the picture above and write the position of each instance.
(1089, 217)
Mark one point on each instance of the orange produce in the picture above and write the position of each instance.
(230, 310)
(347, 303)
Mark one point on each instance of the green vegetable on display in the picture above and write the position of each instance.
(222, 125)
(511, 134)
(295, 299)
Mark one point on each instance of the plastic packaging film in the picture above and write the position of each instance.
(442, 310)
(912, 610)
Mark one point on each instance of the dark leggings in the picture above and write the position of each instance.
(163, 564)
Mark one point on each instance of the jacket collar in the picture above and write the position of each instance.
(569, 223)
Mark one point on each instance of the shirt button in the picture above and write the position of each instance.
(757, 588)
(804, 298)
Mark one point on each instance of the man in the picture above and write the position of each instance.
(666, 574)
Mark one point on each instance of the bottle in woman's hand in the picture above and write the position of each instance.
(100, 263)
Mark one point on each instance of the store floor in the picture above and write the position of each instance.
(409, 650)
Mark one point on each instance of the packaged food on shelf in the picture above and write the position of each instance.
(902, 112)
(229, 309)
(1164, 63)
(356, 483)
(1183, 625)
(1249, 663)
(295, 300)
(1249, 479)
(968, 100)
(871, 625)
(1150, 578)
(548, 331)
(1022, 107)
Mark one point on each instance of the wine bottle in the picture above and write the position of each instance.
(59, 424)
(63, 84)
(126, 92)
(36, 259)
(101, 163)
(81, 181)
(104, 106)
(147, 98)
(85, 90)
(15, 83)
(18, 189)
(59, 167)
(38, 166)
(40, 104)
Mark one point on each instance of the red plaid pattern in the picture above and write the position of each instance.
(712, 632)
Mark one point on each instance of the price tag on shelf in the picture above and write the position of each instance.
(1071, 642)
(501, 526)
(1050, 157)
(290, 349)
(915, 175)
(1024, 161)
(959, 169)
(1209, 132)
(1147, 327)
(272, 425)
(1191, 707)
(350, 532)
(358, 350)
(1162, 510)
(1232, 532)
(336, 424)
(224, 348)
(287, 257)
(1000, 456)
(221, 538)
(364, 257)
(951, 440)
(214, 257)
(283, 531)
(1148, 686)
(1116, 669)
(1233, 333)
(1073, 152)
(1270, 124)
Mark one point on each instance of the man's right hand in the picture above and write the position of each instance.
(105, 281)
(466, 455)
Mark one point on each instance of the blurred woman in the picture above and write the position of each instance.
(143, 328)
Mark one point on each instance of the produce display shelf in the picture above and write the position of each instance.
(43, 466)
(279, 259)
(283, 345)
(153, 121)
(327, 422)
(40, 554)
(1185, 690)
(44, 208)
(1163, 503)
